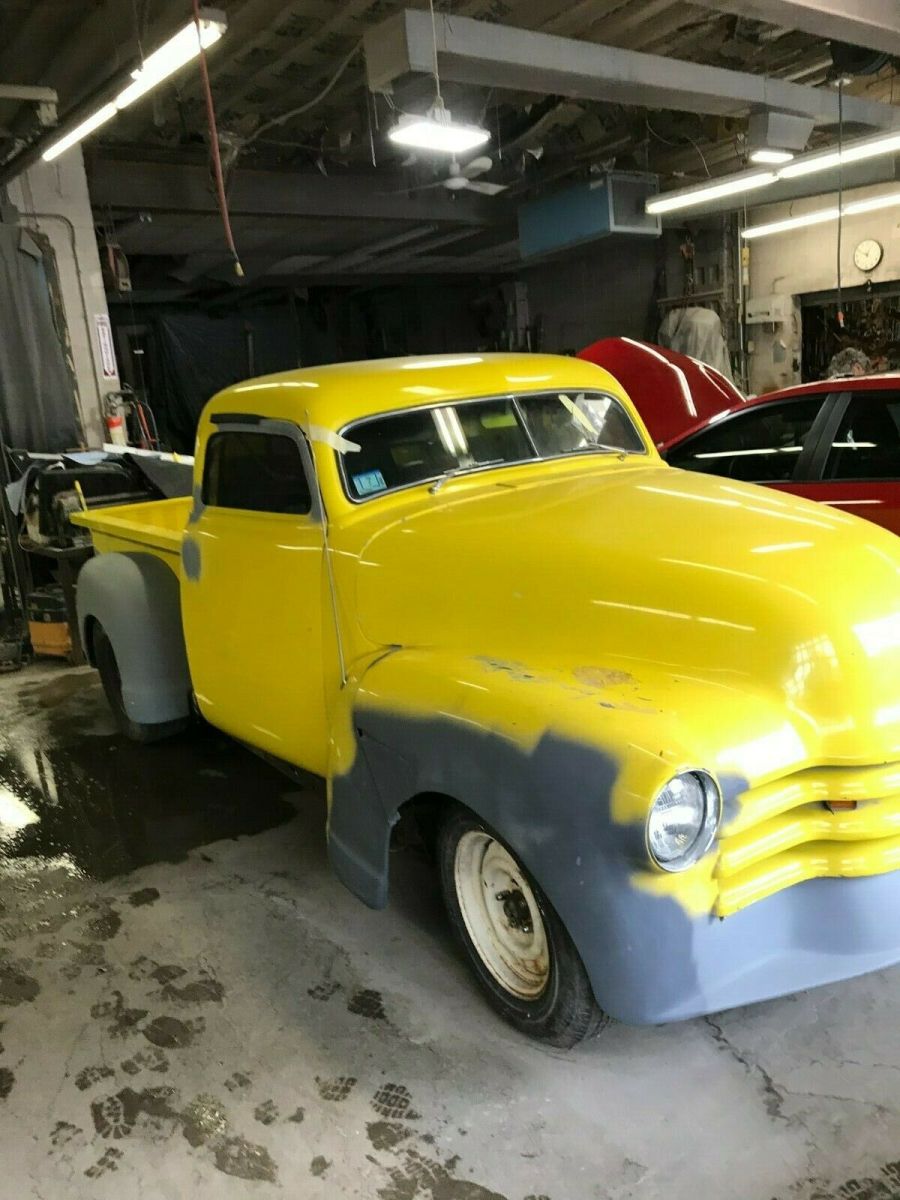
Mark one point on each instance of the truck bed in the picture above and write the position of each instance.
(153, 525)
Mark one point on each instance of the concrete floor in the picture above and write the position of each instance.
(192, 1006)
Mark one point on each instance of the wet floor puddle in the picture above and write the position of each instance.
(70, 786)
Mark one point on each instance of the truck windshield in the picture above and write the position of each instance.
(422, 444)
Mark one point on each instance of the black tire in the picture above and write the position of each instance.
(565, 1012)
(105, 660)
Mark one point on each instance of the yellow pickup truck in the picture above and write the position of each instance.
(648, 719)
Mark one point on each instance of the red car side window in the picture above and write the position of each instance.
(759, 445)
(867, 442)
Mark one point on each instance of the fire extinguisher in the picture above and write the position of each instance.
(115, 420)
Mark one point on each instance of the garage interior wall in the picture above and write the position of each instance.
(805, 260)
(602, 290)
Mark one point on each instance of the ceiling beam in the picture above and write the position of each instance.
(117, 185)
(362, 256)
(871, 23)
(298, 49)
(479, 53)
(28, 95)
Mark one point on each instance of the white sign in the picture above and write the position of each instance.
(107, 350)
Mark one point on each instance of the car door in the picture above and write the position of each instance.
(857, 462)
(252, 591)
(770, 443)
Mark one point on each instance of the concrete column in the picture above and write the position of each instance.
(52, 198)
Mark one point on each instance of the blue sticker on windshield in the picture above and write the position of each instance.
(368, 482)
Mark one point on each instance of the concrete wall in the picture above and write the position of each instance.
(804, 261)
(601, 290)
(53, 198)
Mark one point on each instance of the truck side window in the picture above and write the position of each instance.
(256, 472)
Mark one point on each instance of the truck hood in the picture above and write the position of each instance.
(669, 574)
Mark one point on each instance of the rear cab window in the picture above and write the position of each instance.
(255, 472)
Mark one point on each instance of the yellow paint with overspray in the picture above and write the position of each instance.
(668, 619)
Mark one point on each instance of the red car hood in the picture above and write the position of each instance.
(673, 393)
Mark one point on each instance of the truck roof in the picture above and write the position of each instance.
(335, 395)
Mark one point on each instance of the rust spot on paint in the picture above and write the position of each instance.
(602, 676)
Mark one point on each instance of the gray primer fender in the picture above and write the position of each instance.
(646, 958)
(136, 599)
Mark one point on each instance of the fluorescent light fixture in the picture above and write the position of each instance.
(891, 200)
(822, 215)
(852, 152)
(813, 218)
(771, 157)
(171, 56)
(732, 185)
(807, 164)
(94, 121)
(436, 130)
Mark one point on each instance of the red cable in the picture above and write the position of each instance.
(214, 149)
(144, 427)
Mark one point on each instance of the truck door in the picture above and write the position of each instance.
(252, 590)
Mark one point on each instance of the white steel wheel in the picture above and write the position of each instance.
(501, 915)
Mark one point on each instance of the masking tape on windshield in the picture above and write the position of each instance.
(579, 416)
(318, 433)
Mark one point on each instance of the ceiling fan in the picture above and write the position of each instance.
(466, 178)
(461, 179)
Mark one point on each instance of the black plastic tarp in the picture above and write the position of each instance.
(37, 405)
(199, 354)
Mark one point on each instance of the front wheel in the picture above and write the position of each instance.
(519, 949)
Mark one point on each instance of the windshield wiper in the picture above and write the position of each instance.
(462, 470)
(599, 447)
(442, 479)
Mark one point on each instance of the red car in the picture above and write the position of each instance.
(837, 441)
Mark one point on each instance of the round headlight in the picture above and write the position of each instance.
(683, 820)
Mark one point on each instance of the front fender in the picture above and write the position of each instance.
(563, 765)
(135, 597)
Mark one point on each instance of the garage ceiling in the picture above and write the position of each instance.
(323, 195)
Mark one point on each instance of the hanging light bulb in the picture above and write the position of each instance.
(436, 130)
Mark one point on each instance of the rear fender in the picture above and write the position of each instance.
(135, 597)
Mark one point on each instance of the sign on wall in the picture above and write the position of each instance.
(107, 349)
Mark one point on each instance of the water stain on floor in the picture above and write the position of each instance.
(124, 1020)
(16, 986)
(170, 1033)
(97, 798)
(367, 1003)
